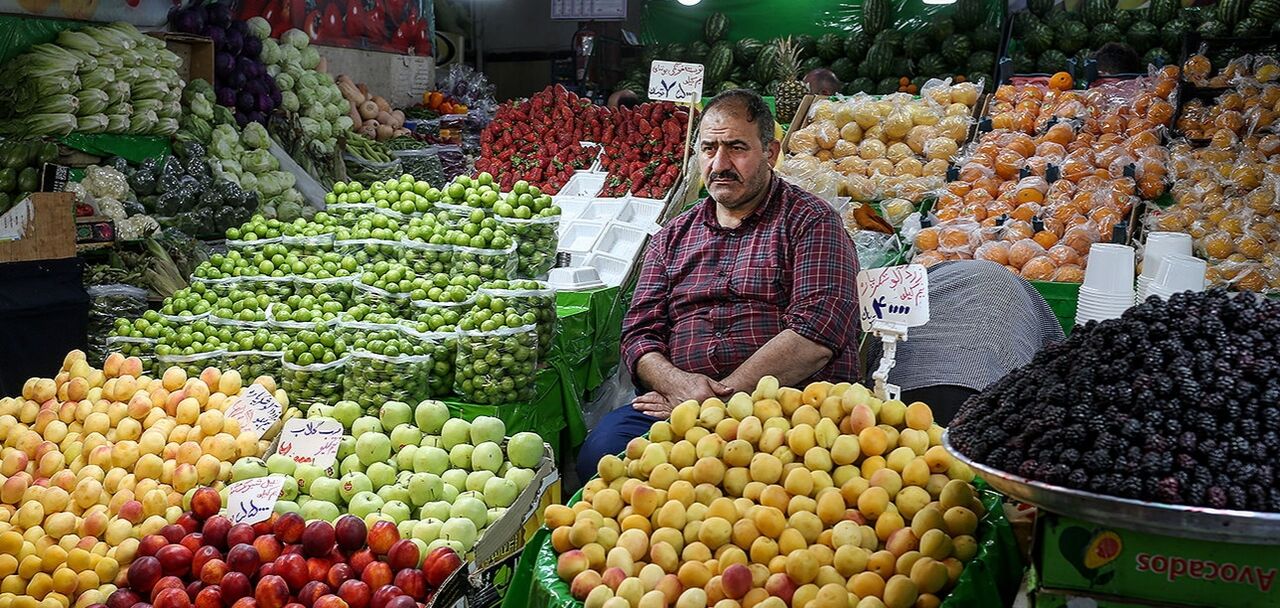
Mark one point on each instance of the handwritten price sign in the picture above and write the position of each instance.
(674, 81)
(256, 409)
(311, 441)
(898, 295)
(252, 500)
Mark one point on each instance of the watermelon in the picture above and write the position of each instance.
(1213, 29)
(1038, 39)
(932, 65)
(1022, 23)
(1023, 63)
(887, 85)
(1072, 36)
(916, 47)
(810, 64)
(1097, 12)
(1157, 57)
(1124, 18)
(648, 54)
(677, 52)
(727, 85)
(969, 14)
(1266, 11)
(861, 85)
(829, 47)
(982, 62)
(856, 45)
(746, 51)
(1195, 15)
(715, 27)
(805, 44)
(752, 85)
(879, 62)
(986, 38)
(1161, 12)
(1041, 8)
(940, 29)
(877, 15)
(699, 49)
(1250, 28)
(1229, 11)
(956, 49)
(1142, 36)
(766, 65)
(1171, 35)
(844, 69)
(1052, 61)
(1102, 34)
(719, 62)
(893, 38)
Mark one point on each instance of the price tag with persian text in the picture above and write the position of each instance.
(311, 441)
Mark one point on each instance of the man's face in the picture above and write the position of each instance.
(735, 165)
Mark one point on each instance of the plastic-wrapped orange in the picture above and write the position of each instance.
(928, 258)
(1039, 268)
(994, 251)
(1023, 251)
(1069, 273)
(1218, 245)
(1063, 255)
(1045, 238)
(927, 239)
(1080, 238)
(954, 238)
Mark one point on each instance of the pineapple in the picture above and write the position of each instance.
(788, 90)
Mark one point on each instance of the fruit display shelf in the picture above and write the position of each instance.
(1201, 523)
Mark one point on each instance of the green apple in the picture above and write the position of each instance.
(394, 492)
(470, 508)
(477, 479)
(421, 545)
(404, 456)
(373, 447)
(487, 428)
(502, 470)
(393, 414)
(286, 506)
(405, 527)
(289, 491)
(486, 456)
(405, 435)
(456, 431)
(431, 460)
(431, 416)
(346, 447)
(326, 489)
(319, 410)
(303, 499)
(437, 509)
(495, 514)
(425, 487)
(521, 477)
(381, 474)
(430, 441)
(351, 464)
(471, 494)
(346, 412)
(319, 509)
(396, 510)
(525, 450)
(450, 493)
(460, 455)
(462, 530)
(281, 464)
(353, 483)
(443, 542)
(364, 503)
(306, 475)
(403, 477)
(365, 424)
(248, 468)
(456, 478)
(499, 492)
(427, 530)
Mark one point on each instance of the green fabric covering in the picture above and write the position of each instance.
(18, 34)
(574, 334)
(134, 148)
(991, 579)
(606, 322)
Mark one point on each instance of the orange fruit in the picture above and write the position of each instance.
(1024, 251)
(927, 239)
(1039, 268)
(994, 251)
(1218, 245)
(953, 239)
(928, 258)
(1061, 81)
(1045, 238)
(1063, 255)
(1069, 273)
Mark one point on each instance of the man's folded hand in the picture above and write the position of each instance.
(653, 404)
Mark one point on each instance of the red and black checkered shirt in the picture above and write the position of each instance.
(709, 297)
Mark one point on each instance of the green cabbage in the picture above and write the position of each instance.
(259, 27)
(50, 124)
(296, 39)
(255, 136)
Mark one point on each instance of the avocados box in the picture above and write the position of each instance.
(1071, 555)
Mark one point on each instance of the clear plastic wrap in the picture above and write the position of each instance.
(320, 243)
(142, 348)
(536, 242)
(312, 367)
(106, 304)
(497, 367)
(423, 164)
(193, 365)
(250, 246)
(372, 379)
(427, 258)
(442, 346)
(379, 298)
(253, 363)
(367, 172)
(488, 264)
(533, 300)
(369, 251)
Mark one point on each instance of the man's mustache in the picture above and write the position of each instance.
(725, 175)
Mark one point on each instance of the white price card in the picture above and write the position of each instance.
(255, 409)
(675, 81)
(897, 295)
(252, 500)
(311, 441)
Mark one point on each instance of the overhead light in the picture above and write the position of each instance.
(939, 1)
(691, 2)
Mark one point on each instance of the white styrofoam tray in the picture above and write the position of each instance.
(621, 240)
(603, 209)
(613, 270)
(579, 238)
(584, 183)
(571, 207)
(576, 278)
(641, 211)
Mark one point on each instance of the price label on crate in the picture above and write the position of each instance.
(252, 500)
(256, 409)
(897, 295)
(675, 81)
(311, 441)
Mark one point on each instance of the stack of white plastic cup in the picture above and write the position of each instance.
(1178, 273)
(1159, 245)
(1108, 283)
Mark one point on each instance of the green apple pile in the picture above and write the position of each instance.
(441, 480)
(313, 367)
(478, 193)
(534, 220)
(497, 354)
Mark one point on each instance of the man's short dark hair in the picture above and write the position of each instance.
(1117, 58)
(750, 102)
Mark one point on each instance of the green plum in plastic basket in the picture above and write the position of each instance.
(526, 296)
(185, 303)
(242, 305)
(534, 220)
(257, 228)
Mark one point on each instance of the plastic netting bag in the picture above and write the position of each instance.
(485, 263)
(497, 367)
(106, 304)
(533, 300)
(536, 242)
(423, 164)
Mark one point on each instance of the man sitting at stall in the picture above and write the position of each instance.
(757, 279)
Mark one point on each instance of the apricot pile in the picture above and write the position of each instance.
(821, 497)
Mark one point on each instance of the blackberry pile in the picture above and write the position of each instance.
(1176, 402)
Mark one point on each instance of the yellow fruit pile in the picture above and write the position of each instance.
(93, 460)
(821, 497)
(872, 148)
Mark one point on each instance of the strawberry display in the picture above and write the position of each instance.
(539, 140)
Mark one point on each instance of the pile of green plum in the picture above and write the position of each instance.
(534, 220)
(497, 354)
(525, 296)
(384, 364)
(313, 365)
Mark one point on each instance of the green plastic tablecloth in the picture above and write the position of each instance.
(546, 414)
(605, 319)
(991, 579)
(134, 148)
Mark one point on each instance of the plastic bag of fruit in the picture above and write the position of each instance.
(485, 263)
(536, 242)
(427, 258)
(454, 215)
(442, 347)
(253, 363)
(319, 243)
(130, 346)
(191, 364)
(106, 304)
(533, 300)
(338, 288)
(312, 367)
(373, 379)
(270, 286)
(497, 366)
(363, 293)
(370, 251)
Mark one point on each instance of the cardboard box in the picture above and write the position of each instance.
(1078, 557)
(507, 536)
(196, 53)
(39, 227)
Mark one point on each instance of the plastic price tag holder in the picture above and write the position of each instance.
(311, 441)
(256, 409)
(252, 500)
(891, 300)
